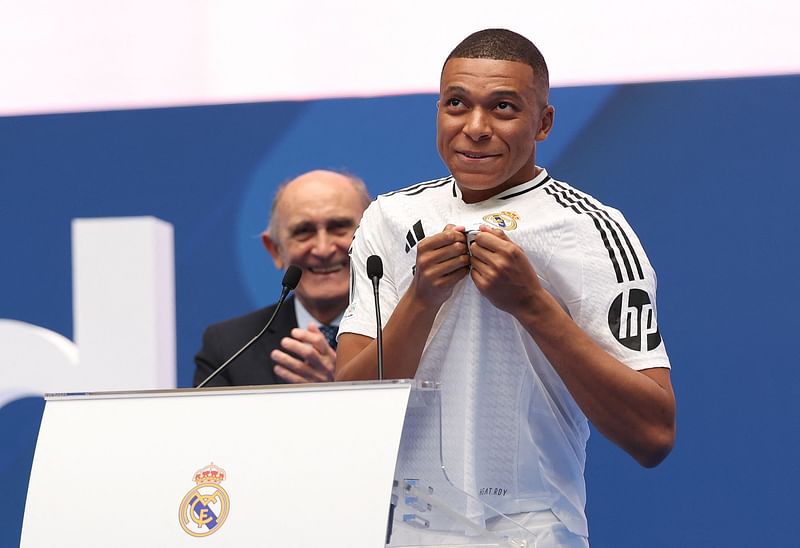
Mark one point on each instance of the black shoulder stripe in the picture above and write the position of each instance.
(534, 187)
(419, 187)
(410, 188)
(599, 218)
(611, 255)
(608, 228)
(628, 244)
(628, 248)
(423, 189)
(558, 199)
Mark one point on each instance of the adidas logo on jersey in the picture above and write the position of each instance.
(414, 235)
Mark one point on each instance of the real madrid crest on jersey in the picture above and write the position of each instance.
(506, 220)
(204, 508)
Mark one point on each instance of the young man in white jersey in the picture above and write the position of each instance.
(530, 302)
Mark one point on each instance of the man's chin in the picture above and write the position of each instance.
(325, 283)
(319, 296)
(477, 180)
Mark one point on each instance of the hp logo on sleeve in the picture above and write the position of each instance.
(632, 320)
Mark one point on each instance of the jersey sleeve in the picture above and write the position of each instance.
(602, 274)
(369, 239)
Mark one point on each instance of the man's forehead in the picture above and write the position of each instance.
(320, 208)
(499, 65)
(317, 210)
(493, 77)
(486, 70)
(317, 193)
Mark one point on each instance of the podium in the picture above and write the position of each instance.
(289, 466)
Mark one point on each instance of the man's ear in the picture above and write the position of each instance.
(272, 247)
(546, 123)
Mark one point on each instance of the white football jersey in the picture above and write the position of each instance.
(513, 436)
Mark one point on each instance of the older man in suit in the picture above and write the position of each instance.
(311, 225)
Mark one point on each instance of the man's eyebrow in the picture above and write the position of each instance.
(454, 89)
(309, 225)
(341, 221)
(506, 93)
(299, 227)
(460, 90)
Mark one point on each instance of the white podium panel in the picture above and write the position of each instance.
(293, 466)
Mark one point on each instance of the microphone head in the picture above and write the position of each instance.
(374, 267)
(292, 277)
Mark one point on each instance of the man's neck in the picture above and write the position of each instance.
(473, 196)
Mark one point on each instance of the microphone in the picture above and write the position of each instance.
(290, 280)
(375, 273)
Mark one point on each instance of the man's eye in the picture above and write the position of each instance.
(503, 105)
(341, 230)
(453, 102)
(302, 235)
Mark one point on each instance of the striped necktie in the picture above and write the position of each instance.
(330, 333)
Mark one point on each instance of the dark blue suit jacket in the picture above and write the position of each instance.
(254, 366)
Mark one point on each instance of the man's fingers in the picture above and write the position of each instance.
(442, 239)
(305, 355)
(493, 230)
(490, 238)
(312, 337)
(288, 361)
(320, 341)
(454, 265)
(441, 247)
(293, 369)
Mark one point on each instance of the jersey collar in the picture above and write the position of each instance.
(541, 178)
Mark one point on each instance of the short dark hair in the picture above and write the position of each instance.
(504, 45)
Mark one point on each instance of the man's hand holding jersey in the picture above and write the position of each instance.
(442, 261)
(502, 272)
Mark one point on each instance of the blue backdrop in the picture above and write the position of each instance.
(703, 171)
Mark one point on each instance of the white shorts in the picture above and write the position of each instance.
(544, 530)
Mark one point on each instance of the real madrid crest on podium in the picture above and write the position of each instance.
(204, 508)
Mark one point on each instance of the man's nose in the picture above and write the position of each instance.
(477, 125)
(324, 244)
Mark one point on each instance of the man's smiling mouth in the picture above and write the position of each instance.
(476, 155)
(329, 269)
